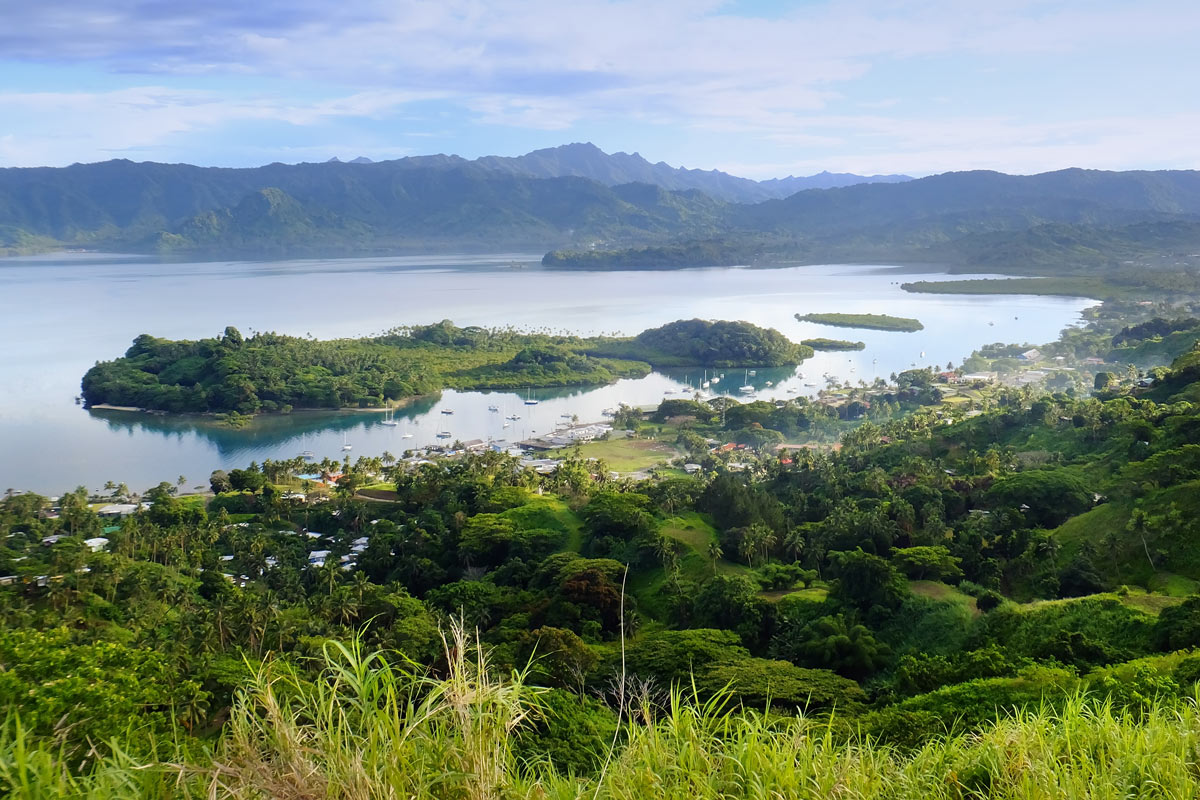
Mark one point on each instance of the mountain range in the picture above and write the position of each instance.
(577, 197)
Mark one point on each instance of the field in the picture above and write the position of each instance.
(625, 455)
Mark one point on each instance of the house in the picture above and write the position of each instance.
(986, 377)
(120, 509)
(1030, 355)
(96, 544)
(691, 469)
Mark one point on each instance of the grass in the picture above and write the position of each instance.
(626, 455)
(936, 590)
(373, 727)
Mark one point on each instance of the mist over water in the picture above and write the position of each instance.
(66, 312)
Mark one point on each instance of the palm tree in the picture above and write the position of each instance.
(715, 553)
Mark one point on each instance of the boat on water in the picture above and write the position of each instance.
(529, 401)
(307, 455)
(406, 436)
(389, 420)
(345, 444)
(609, 412)
(493, 408)
(747, 388)
(753, 372)
(444, 434)
(513, 417)
(447, 411)
(566, 416)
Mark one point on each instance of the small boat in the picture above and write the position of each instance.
(609, 412)
(307, 455)
(770, 384)
(345, 444)
(447, 411)
(753, 372)
(444, 434)
(747, 388)
(513, 417)
(566, 416)
(407, 436)
(493, 408)
(389, 421)
(506, 424)
(529, 401)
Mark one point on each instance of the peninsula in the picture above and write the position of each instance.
(270, 372)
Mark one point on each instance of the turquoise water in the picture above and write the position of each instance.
(60, 314)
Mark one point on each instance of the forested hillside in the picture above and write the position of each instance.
(936, 569)
(984, 219)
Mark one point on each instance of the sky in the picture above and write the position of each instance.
(752, 87)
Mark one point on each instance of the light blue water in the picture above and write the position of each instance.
(60, 314)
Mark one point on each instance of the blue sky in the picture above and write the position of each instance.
(757, 88)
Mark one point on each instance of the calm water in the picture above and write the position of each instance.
(60, 314)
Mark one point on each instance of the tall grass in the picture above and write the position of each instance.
(368, 728)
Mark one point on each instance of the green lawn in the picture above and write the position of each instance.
(940, 591)
(625, 455)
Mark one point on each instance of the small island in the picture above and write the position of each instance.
(875, 322)
(269, 372)
(821, 343)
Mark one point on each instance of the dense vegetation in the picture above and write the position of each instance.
(607, 209)
(271, 372)
(821, 343)
(878, 322)
(685, 254)
(935, 570)
(699, 342)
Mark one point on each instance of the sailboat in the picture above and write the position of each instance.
(747, 388)
(389, 420)
(529, 401)
(345, 444)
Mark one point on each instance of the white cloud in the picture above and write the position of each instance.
(546, 65)
(142, 118)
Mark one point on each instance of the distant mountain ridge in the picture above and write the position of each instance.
(429, 203)
(585, 160)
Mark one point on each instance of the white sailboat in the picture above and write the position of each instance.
(746, 388)
(529, 401)
(346, 444)
(389, 419)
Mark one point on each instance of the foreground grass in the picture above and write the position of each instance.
(371, 728)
